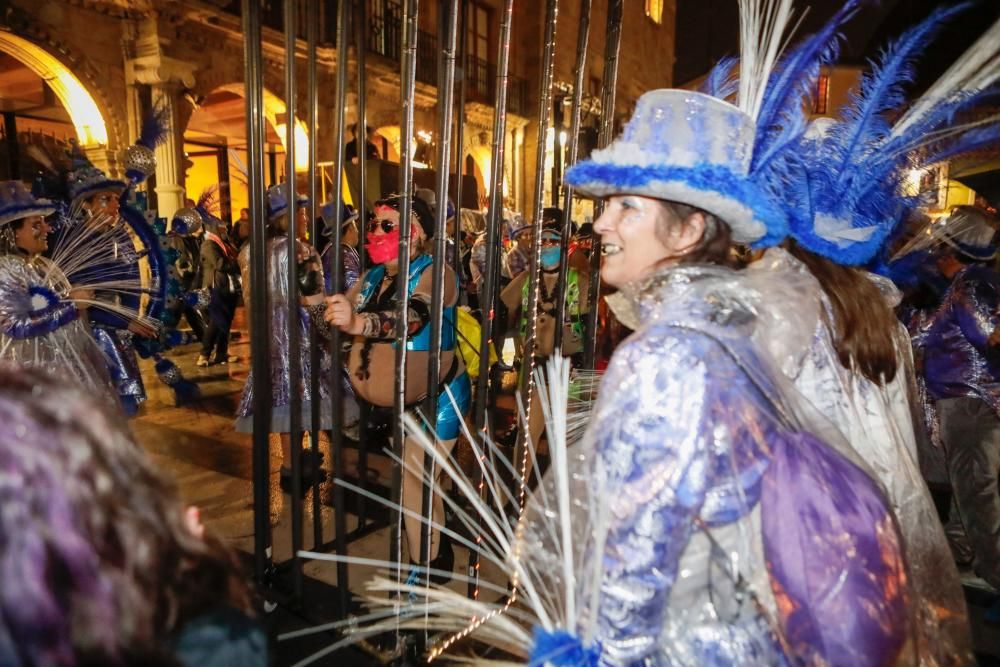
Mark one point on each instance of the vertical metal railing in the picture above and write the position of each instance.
(492, 273)
(259, 315)
(527, 383)
(448, 10)
(579, 71)
(292, 290)
(462, 30)
(312, 19)
(612, 47)
(336, 282)
(361, 47)
(407, 76)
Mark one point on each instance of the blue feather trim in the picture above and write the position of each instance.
(709, 179)
(155, 128)
(561, 649)
(16, 212)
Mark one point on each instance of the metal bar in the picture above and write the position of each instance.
(612, 46)
(579, 71)
(312, 39)
(336, 283)
(534, 265)
(361, 48)
(448, 9)
(407, 78)
(492, 242)
(259, 325)
(462, 73)
(294, 331)
(557, 141)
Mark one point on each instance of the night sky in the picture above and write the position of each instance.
(707, 30)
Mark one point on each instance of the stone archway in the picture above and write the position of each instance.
(215, 146)
(46, 71)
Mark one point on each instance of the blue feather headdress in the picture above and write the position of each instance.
(140, 160)
(850, 196)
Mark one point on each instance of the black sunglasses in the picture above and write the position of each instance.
(387, 225)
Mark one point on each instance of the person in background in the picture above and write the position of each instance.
(349, 237)
(309, 295)
(241, 229)
(960, 345)
(368, 312)
(220, 272)
(185, 236)
(56, 336)
(371, 150)
(514, 307)
(103, 563)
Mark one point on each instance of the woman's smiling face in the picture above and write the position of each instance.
(629, 242)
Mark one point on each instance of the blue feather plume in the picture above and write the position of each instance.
(974, 139)
(155, 127)
(781, 119)
(864, 125)
(855, 170)
(722, 81)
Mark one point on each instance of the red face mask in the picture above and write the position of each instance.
(383, 248)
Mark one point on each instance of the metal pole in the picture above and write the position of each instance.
(446, 93)
(462, 75)
(407, 77)
(492, 243)
(361, 49)
(294, 331)
(534, 268)
(336, 283)
(579, 71)
(312, 39)
(259, 325)
(612, 46)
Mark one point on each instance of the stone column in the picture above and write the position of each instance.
(169, 170)
(167, 77)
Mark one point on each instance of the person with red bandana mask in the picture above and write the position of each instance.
(367, 311)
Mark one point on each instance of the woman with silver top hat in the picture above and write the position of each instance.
(368, 313)
(309, 296)
(737, 527)
(42, 318)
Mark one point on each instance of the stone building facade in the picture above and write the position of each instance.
(127, 56)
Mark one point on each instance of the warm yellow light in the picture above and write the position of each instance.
(82, 110)
(301, 144)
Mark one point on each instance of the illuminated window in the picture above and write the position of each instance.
(654, 10)
(822, 99)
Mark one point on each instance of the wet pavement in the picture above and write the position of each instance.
(198, 446)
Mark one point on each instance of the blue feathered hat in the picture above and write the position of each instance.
(84, 179)
(690, 148)
(277, 203)
(17, 202)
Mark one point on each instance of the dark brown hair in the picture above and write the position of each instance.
(864, 326)
(715, 244)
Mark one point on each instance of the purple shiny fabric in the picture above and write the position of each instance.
(958, 361)
(351, 263)
(278, 324)
(811, 494)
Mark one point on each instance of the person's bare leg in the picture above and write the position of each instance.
(412, 498)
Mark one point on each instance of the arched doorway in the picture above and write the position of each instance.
(42, 103)
(215, 147)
